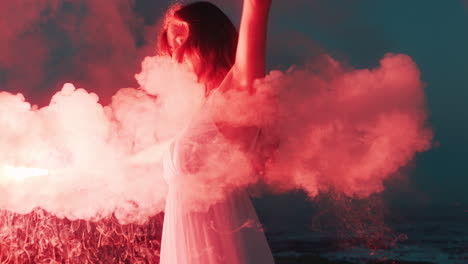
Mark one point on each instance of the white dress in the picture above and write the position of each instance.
(228, 232)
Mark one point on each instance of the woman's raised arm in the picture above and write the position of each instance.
(251, 47)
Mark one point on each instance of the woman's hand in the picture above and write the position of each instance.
(261, 3)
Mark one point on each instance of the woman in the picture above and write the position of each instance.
(201, 36)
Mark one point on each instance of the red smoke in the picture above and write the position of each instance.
(338, 129)
(21, 65)
(94, 44)
(323, 127)
(104, 34)
(341, 129)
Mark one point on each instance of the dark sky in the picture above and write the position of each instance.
(99, 46)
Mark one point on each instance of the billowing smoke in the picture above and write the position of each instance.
(93, 43)
(86, 148)
(320, 128)
(335, 128)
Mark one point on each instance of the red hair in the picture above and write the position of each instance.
(211, 43)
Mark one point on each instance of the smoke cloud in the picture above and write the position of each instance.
(94, 44)
(336, 128)
(319, 128)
